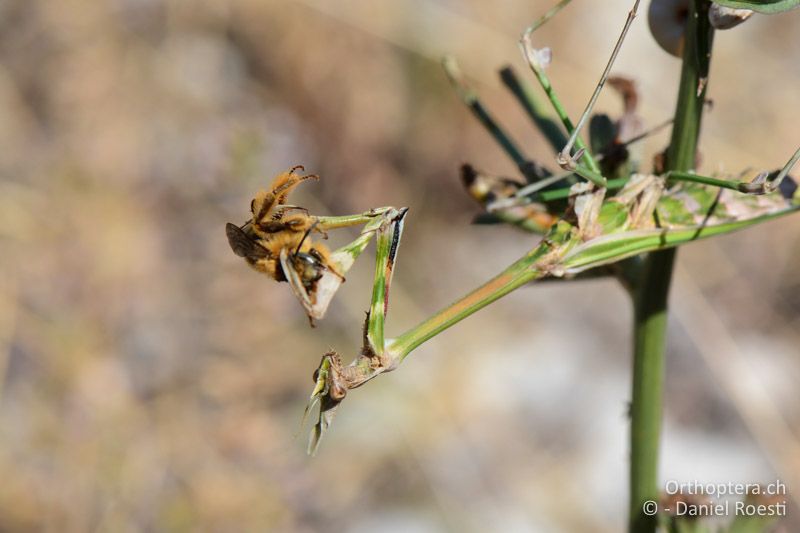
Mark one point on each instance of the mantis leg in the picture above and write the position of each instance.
(761, 184)
(564, 158)
(327, 223)
(537, 60)
(388, 242)
(316, 302)
(332, 379)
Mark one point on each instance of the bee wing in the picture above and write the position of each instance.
(317, 303)
(243, 245)
(296, 283)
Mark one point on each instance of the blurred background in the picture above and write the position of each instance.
(150, 381)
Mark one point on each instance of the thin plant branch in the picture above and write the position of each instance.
(564, 158)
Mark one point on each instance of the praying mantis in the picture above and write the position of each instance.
(582, 223)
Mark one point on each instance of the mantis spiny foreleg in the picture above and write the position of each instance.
(332, 378)
(316, 302)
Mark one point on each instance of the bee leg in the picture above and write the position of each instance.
(280, 211)
(370, 219)
(279, 193)
(282, 191)
(277, 226)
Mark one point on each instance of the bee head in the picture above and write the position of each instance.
(309, 266)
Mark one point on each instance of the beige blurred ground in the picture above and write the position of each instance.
(150, 381)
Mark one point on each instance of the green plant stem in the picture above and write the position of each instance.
(649, 334)
(651, 293)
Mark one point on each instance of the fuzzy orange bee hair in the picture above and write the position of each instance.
(273, 228)
(269, 206)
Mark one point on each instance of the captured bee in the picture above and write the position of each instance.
(307, 259)
(277, 241)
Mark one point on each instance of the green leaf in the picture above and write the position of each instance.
(761, 6)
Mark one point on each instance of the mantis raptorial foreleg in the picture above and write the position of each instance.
(316, 302)
(332, 378)
(345, 221)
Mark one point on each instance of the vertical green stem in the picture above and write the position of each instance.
(649, 335)
(651, 292)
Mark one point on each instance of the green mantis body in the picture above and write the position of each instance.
(645, 215)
